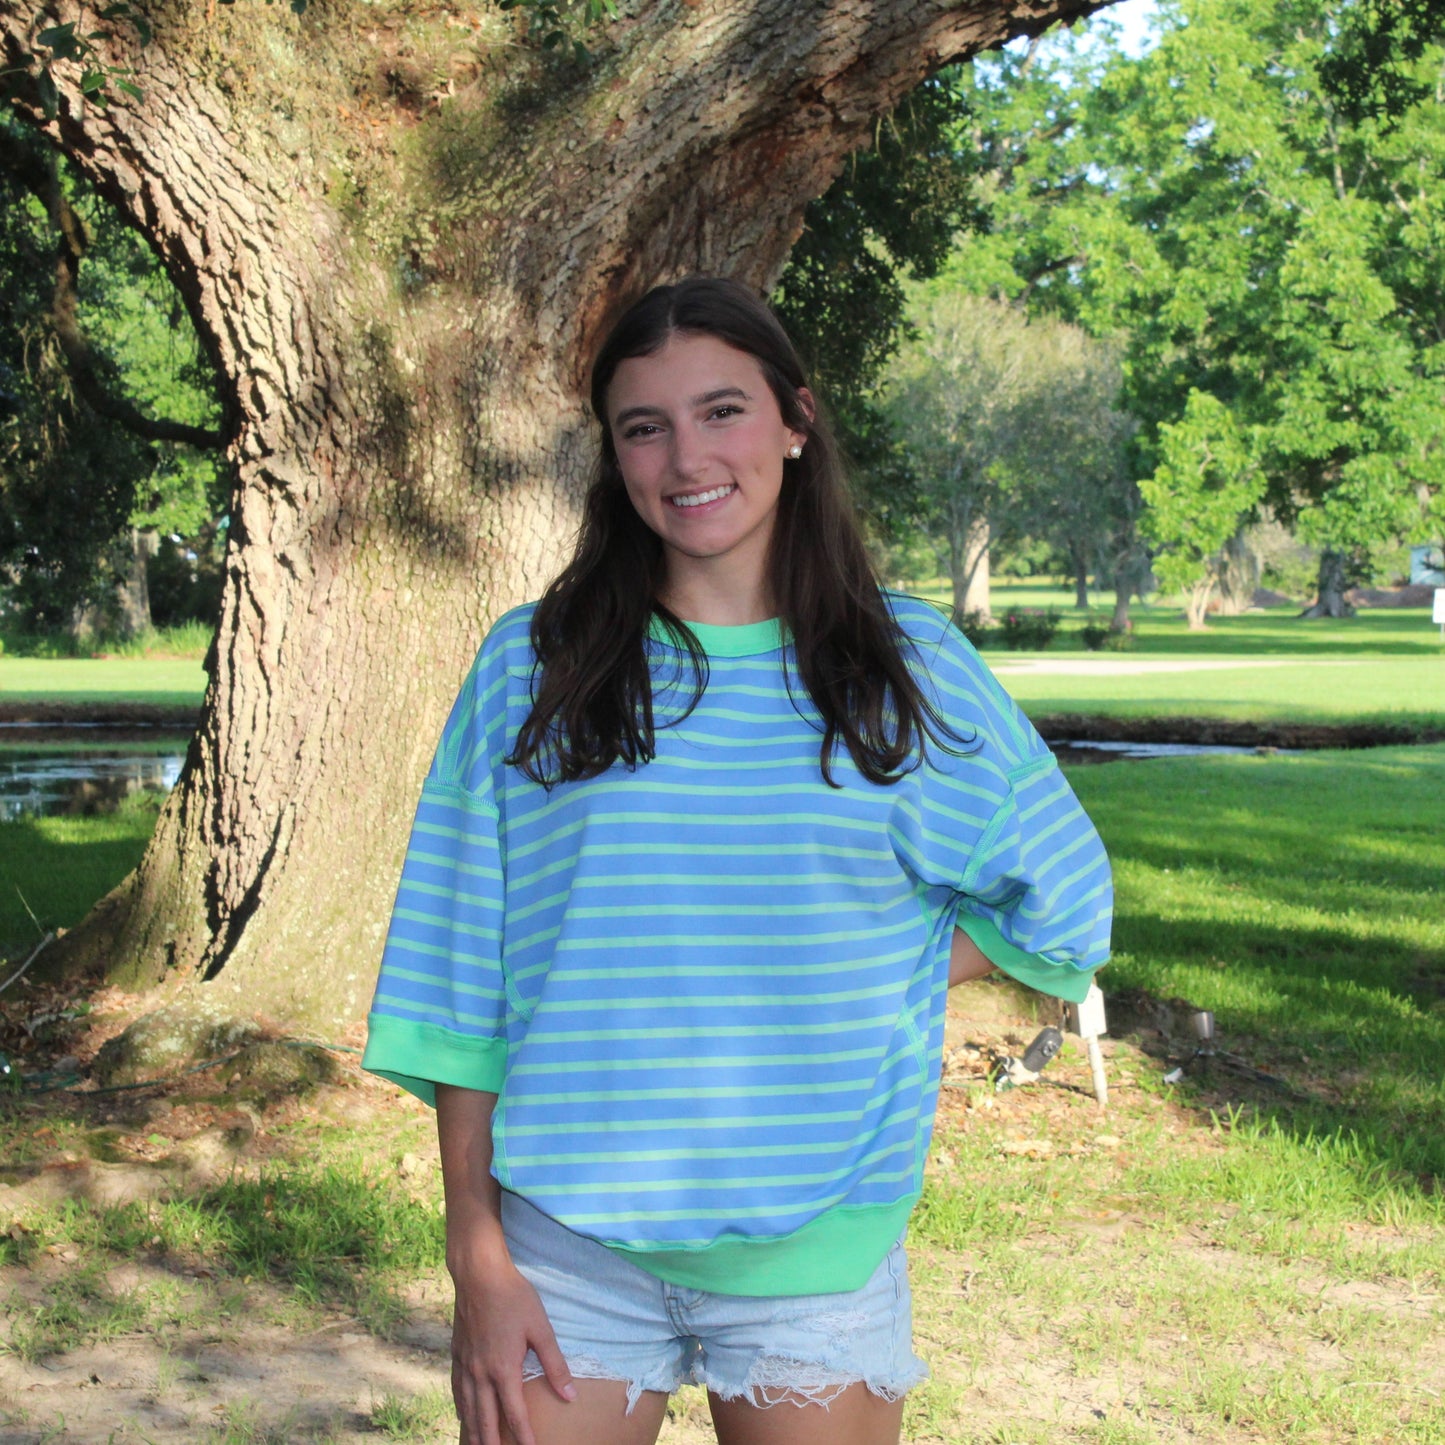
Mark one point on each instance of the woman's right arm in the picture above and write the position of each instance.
(498, 1314)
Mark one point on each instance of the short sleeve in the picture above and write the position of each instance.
(1038, 896)
(1034, 887)
(440, 1007)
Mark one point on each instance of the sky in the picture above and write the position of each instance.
(1133, 16)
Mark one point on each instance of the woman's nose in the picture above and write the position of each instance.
(687, 452)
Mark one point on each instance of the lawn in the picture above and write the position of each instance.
(1251, 1255)
(1159, 627)
(53, 869)
(168, 682)
(1389, 692)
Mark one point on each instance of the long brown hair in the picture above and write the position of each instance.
(592, 691)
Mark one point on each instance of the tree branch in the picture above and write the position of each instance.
(38, 171)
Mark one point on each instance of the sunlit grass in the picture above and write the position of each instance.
(1298, 898)
(154, 681)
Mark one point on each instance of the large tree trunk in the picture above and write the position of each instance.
(1239, 574)
(968, 569)
(133, 593)
(1330, 599)
(400, 234)
(1079, 559)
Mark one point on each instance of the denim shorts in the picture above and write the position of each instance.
(615, 1321)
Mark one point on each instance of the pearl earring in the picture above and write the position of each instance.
(795, 451)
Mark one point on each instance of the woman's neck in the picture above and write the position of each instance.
(718, 600)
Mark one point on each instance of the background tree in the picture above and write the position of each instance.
(399, 234)
(1217, 207)
(1077, 491)
(957, 398)
(1205, 482)
(94, 347)
(1009, 428)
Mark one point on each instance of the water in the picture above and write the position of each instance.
(93, 780)
(81, 783)
(1092, 752)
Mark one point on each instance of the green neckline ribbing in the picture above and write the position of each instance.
(749, 639)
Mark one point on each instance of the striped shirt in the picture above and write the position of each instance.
(709, 991)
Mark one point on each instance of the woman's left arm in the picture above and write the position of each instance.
(966, 960)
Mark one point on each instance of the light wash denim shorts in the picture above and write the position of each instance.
(615, 1321)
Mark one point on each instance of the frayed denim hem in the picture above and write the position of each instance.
(777, 1380)
(587, 1367)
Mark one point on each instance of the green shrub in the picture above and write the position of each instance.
(1029, 628)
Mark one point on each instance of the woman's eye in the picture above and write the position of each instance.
(727, 409)
(642, 429)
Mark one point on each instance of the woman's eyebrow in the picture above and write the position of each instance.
(706, 399)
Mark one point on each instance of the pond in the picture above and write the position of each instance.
(83, 778)
(1097, 752)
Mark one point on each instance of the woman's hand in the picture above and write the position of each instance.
(499, 1316)
(498, 1319)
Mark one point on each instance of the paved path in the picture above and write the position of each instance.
(1132, 666)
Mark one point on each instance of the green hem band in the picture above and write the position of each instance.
(1062, 980)
(836, 1252)
(420, 1056)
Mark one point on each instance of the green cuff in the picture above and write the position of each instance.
(1062, 980)
(420, 1056)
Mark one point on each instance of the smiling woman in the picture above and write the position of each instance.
(711, 829)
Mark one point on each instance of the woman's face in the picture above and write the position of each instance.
(701, 442)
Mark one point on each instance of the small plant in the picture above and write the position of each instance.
(411, 1417)
(81, 1307)
(1096, 636)
(1029, 628)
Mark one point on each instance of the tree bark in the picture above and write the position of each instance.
(1081, 578)
(1330, 596)
(1196, 603)
(1239, 574)
(968, 568)
(400, 236)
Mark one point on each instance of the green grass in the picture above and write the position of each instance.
(1393, 692)
(186, 639)
(155, 742)
(412, 1417)
(53, 869)
(155, 681)
(1160, 627)
(1299, 899)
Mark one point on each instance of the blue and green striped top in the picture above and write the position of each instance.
(709, 991)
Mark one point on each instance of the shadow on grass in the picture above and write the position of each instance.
(331, 1236)
(56, 868)
(1298, 900)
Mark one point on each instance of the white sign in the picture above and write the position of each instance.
(1439, 606)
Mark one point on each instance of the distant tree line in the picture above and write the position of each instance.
(1248, 223)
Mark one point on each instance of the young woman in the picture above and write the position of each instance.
(710, 830)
